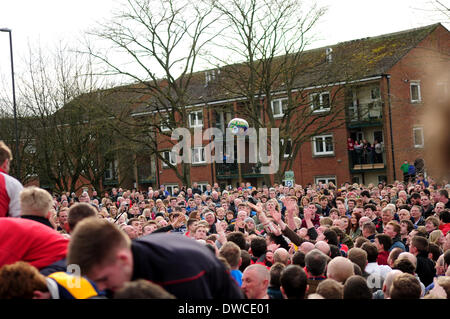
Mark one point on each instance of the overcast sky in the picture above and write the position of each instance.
(48, 21)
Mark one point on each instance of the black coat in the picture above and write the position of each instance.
(425, 269)
(182, 266)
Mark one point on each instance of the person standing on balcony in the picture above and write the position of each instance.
(405, 168)
(351, 150)
(378, 152)
(10, 187)
(358, 152)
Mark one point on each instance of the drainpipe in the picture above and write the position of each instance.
(390, 122)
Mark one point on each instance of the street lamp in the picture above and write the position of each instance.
(16, 134)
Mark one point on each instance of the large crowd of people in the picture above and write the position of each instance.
(315, 241)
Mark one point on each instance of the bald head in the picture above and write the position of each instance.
(323, 247)
(281, 255)
(387, 284)
(339, 269)
(306, 247)
(255, 281)
(409, 256)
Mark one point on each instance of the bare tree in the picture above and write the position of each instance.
(270, 37)
(161, 41)
(61, 120)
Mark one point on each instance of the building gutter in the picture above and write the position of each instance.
(390, 122)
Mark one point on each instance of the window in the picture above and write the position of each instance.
(288, 149)
(110, 171)
(320, 102)
(375, 93)
(323, 145)
(202, 186)
(164, 122)
(279, 106)
(196, 119)
(415, 92)
(418, 137)
(325, 179)
(198, 155)
(169, 156)
(170, 188)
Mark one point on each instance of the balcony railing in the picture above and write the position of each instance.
(361, 161)
(231, 170)
(368, 113)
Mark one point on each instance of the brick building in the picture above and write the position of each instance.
(399, 76)
(382, 86)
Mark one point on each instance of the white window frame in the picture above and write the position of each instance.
(411, 84)
(323, 136)
(196, 122)
(280, 102)
(326, 178)
(282, 143)
(111, 168)
(172, 158)
(202, 186)
(321, 108)
(171, 186)
(418, 128)
(202, 151)
(164, 120)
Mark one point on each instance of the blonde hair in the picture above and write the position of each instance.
(434, 236)
(35, 200)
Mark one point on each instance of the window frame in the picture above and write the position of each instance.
(411, 84)
(418, 128)
(192, 125)
(320, 94)
(280, 101)
(172, 160)
(325, 153)
(202, 148)
(326, 178)
(282, 143)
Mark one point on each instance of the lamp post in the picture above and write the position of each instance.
(16, 134)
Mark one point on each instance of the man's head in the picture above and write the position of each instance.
(330, 289)
(5, 157)
(78, 212)
(416, 212)
(339, 269)
(358, 256)
(255, 281)
(293, 282)
(356, 288)
(418, 245)
(383, 242)
(316, 262)
(323, 247)
(232, 253)
(306, 247)
(35, 201)
(392, 229)
(387, 215)
(405, 286)
(103, 253)
(387, 284)
(258, 246)
(368, 229)
(22, 281)
(281, 255)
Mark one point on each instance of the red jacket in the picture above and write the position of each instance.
(444, 228)
(27, 240)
